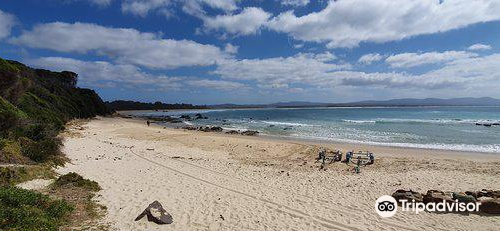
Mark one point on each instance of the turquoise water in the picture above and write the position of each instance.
(450, 128)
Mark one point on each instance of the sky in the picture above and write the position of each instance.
(261, 51)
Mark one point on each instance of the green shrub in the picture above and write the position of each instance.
(10, 152)
(73, 179)
(12, 175)
(10, 116)
(27, 210)
(43, 150)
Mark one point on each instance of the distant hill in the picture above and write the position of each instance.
(124, 105)
(484, 101)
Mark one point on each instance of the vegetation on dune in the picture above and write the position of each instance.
(12, 175)
(34, 106)
(73, 179)
(27, 210)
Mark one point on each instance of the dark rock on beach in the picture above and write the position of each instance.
(232, 132)
(189, 128)
(186, 117)
(491, 206)
(250, 133)
(210, 129)
(407, 195)
(436, 196)
(156, 213)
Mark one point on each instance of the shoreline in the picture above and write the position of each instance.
(213, 181)
(385, 150)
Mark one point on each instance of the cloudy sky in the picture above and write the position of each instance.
(261, 51)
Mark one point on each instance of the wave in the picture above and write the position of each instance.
(424, 121)
(360, 121)
(486, 148)
(287, 123)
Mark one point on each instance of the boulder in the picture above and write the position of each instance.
(204, 129)
(488, 193)
(189, 128)
(186, 117)
(491, 206)
(437, 196)
(232, 132)
(216, 129)
(250, 133)
(156, 213)
(463, 197)
(409, 195)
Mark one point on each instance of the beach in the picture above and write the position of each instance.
(215, 181)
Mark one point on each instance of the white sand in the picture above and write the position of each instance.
(37, 184)
(208, 181)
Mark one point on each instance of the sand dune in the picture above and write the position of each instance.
(209, 181)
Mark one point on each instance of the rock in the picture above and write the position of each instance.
(437, 196)
(232, 132)
(189, 128)
(490, 206)
(488, 193)
(463, 197)
(210, 129)
(156, 213)
(216, 129)
(470, 193)
(407, 195)
(186, 117)
(250, 133)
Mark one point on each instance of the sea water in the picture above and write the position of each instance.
(448, 128)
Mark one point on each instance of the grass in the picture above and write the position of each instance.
(79, 192)
(73, 179)
(12, 175)
(25, 210)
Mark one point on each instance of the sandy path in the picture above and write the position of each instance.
(213, 182)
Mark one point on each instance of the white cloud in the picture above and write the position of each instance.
(7, 21)
(194, 7)
(346, 23)
(248, 21)
(123, 45)
(479, 46)
(471, 75)
(302, 68)
(109, 75)
(370, 58)
(295, 3)
(231, 49)
(101, 2)
(99, 72)
(143, 7)
(418, 59)
(217, 84)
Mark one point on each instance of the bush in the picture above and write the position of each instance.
(12, 175)
(10, 116)
(10, 152)
(73, 179)
(44, 150)
(27, 210)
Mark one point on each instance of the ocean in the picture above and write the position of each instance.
(447, 128)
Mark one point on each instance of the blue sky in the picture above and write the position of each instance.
(237, 51)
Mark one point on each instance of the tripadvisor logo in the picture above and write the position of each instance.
(387, 206)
